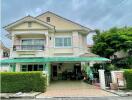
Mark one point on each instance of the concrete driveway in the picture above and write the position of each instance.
(73, 89)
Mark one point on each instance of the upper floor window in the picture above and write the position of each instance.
(48, 19)
(63, 42)
(32, 44)
(5, 54)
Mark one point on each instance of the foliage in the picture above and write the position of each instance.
(111, 67)
(128, 77)
(23, 81)
(124, 63)
(108, 42)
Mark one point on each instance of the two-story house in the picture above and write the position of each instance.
(48, 42)
(4, 54)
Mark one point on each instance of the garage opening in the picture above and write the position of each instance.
(66, 71)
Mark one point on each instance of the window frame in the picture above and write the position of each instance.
(47, 19)
(38, 67)
(63, 42)
(29, 24)
(44, 41)
(32, 39)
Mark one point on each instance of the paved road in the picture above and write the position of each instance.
(89, 98)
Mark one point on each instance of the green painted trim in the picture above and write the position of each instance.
(12, 67)
(54, 59)
(44, 67)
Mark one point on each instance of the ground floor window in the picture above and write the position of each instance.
(32, 67)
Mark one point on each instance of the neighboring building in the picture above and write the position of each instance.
(48, 42)
(89, 47)
(4, 54)
(120, 54)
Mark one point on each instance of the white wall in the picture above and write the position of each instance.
(5, 68)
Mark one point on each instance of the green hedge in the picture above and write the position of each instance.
(23, 82)
(128, 77)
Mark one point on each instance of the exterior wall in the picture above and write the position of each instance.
(117, 77)
(67, 66)
(18, 67)
(16, 40)
(62, 51)
(17, 54)
(25, 26)
(38, 30)
(83, 43)
(1, 53)
(58, 22)
(78, 45)
(4, 68)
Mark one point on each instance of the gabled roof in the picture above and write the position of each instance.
(83, 27)
(28, 18)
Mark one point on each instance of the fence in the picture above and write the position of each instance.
(108, 79)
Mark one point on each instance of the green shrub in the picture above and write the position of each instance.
(23, 81)
(128, 77)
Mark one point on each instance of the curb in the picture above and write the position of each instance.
(73, 97)
(12, 96)
(122, 95)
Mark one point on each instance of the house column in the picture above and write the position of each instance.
(75, 41)
(12, 67)
(102, 79)
(13, 39)
(18, 67)
(48, 72)
(47, 44)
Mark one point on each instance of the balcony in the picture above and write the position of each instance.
(28, 47)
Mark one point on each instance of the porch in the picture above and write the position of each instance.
(52, 66)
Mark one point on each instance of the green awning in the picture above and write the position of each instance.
(54, 59)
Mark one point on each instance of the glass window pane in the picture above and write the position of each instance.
(27, 42)
(40, 67)
(38, 42)
(33, 44)
(24, 68)
(58, 42)
(35, 67)
(67, 41)
(30, 67)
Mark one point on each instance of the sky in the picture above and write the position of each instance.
(94, 14)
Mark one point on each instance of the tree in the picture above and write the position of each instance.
(115, 39)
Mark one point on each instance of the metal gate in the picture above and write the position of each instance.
(108, 79)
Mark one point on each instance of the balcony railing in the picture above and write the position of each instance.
(28, 47)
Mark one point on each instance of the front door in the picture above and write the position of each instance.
(77, 71)
(77, 68)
